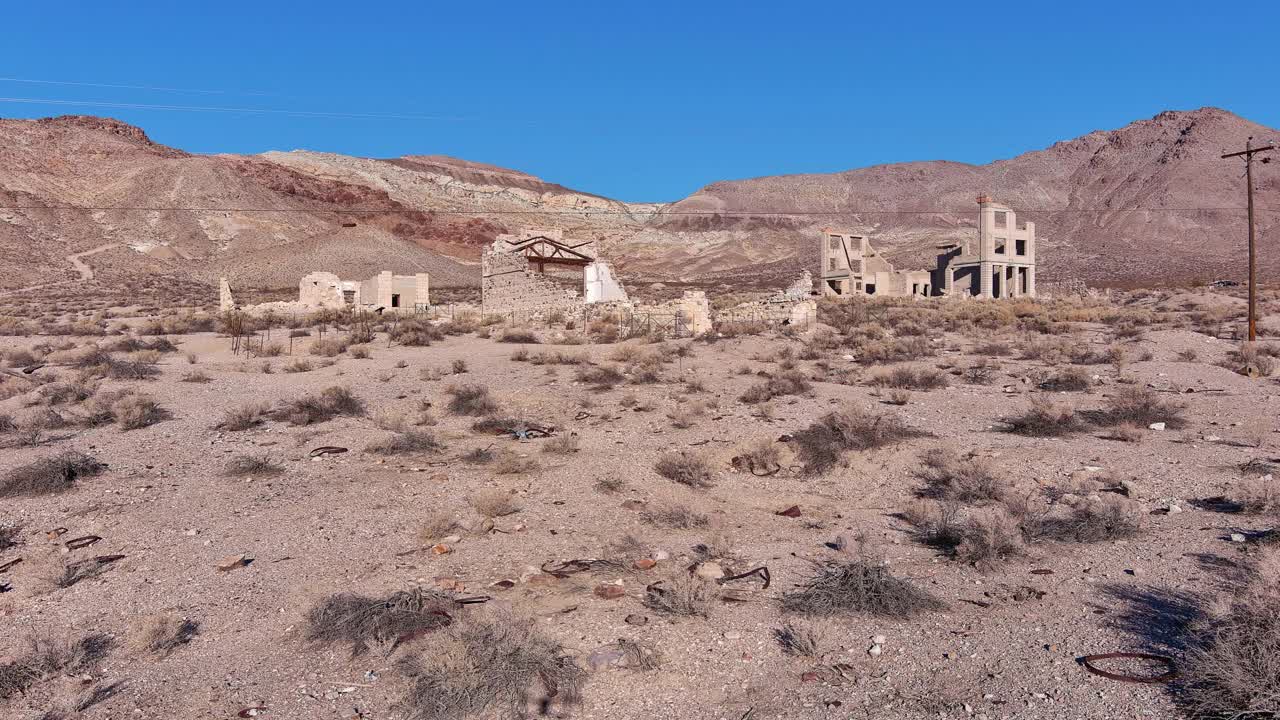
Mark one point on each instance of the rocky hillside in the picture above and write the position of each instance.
(266, 219)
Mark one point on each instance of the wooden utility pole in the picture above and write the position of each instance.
(1248, 153)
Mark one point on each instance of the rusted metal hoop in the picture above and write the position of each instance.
(1088, 660)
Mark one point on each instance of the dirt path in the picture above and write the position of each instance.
(86, 272)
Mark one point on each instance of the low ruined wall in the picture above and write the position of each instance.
(509, 286)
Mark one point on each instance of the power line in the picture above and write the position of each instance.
(215, 108)
(588, 211)
(155, 88)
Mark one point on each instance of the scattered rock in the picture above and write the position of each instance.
(637, 620)
(440, 549)
(791, 512)
(1238, 537)
(710, 571)
(1156, 426)
(231, 562)
(609, 591)
(645, 563)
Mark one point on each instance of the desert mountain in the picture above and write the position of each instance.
(1126, 206)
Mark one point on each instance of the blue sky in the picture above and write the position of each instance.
(643, 101)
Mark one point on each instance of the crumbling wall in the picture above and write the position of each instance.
(508, 285)
(321, 290)
(226, 303)
(600, 286)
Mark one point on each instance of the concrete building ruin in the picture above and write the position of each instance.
(514, 274)
(1001, 264)
(384, 292)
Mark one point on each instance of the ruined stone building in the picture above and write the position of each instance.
(383, 292)
(1002, 263)
(514, 274)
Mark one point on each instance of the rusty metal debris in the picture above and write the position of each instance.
(81, 542)
(791, 512)
(327, 450)
(762, 572)
(56, 533)
(1088, 663)
(4, 567)
(472, 600)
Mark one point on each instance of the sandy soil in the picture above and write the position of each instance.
(350, 523)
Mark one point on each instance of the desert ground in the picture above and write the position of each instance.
(953, 503)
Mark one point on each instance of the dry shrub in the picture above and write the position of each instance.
(787, 382)
(886, 352)
(1072, 379)
(610, 485)
(1258, 496)
(133, 412)
(196, 376)
(519, 336)
(1045, 419)
(981, 372)
(46, 658)
(512, 463)
(382, 623)
(360, 352)
(686, 414)
(798, 640)
(690, 469)
(494, 503)
(165, 632)
(246, 465)
(498, 668)
(682, 593)
(49, 475)
(905, 378)
(1090, 520)
(858, 586)
(330, 403)
(970, 480)
(330, 347)
(981, 537)
(9, 536)
(1232, 667)
(562, 444)
(599, 377)
(760, 458)
(1139, 406)
(470, 399)
(403, 443)
(821, 445)
(437, 525)
(681, 517)
(415, 332)
(1126, 432)
(243, 417)
(7, 425)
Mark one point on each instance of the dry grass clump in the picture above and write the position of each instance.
(683, 594)
(242, 418)
(470, 399)
(686, 414)
(798, 640)
(1139, 406)
(821, 445)
(1232, 667)
(690, 469)
(9, 536)
(519, 336)
(905, 378)
(1089, 520)
(133, 412)
(49, 475)
(414, 332)
(760, 458)
(599, 377)
(967, 479)
(165, 632)
(609, 485)
(1072, 379)
(494, 503)
(981, 372)
(382, 623)
(247, 465)
(980, 537)
(1045, 419)
(98, 363)
(566, 444)
(1257, 496)
(437, 525)
(196, 376)
(858, 586)
(46, 658)
(404, 443)
(885, 352)
(681, 517)
(330, 346)
(499, 668)
(787, 382)
(330, 403)
(513, 463)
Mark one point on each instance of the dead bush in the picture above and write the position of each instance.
(1139, 406)
(566, 444)
(415, 333)
(499, 668)
(821, 445)
(1089, 520)
(680, 517)
(329, 347)
(470, 400)
(981, 538)
(1232, 665)
(330, 403)
(610, 485)
(243, 417)
(383, 623)
(858, 586)
(196, 376)
(247, 465)
(599, 377)
(760, 458)
(981, 372)
(797, 640)
(970, 480)
(494, 503)
(905, 378)
(513, 463)
(165, 632)
(1258, 496)
(404, 443)
(436, 526)
(787, 382)
(519, 336)
(686, 414)
(133, 412)
(8, 536)
(49, 475)
(689, 469)
(1072, 379)
(1044, 419)
(47, 657)
(683, 594)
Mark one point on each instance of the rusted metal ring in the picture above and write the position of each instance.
(1088, 660)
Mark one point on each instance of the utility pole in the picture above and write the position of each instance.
(1248, 153)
